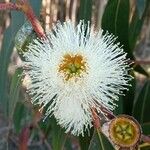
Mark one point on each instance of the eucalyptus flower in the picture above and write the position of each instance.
(74, 71)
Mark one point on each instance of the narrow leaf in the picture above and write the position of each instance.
(100, 142)
(85, 10)
(18, 116)
(85, 141)
(146, 128)
(134, 29)
(7, 47)
(119, 108)
(17, 19)
(141, 107)
(36, 5)
(128, 99)
(58, 136)
(14, 90)
(139, 69)
(141, 6)
(116, 20)
(50, 127)
(23, 38)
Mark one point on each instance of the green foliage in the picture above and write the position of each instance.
(120, 106)
(140, 70)
(18, 115)
(15, 88)
(6, 51)
(59, 140)
(134, 29)
(141, 4)
(116, 20)
(24, 36)
(128, 99)
(85, 141)
(85, 10)
(100, 142)
(17, 19)
(146, 128)
(58, 135)
(142, 104)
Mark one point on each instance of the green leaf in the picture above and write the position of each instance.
(142, 105)
(128, 99)
(134, 29)
(15, 90)
(22, 35)
(17, 20)
(146, 128)
(68, 144)
(36, 5)
(100, 142)
(18, 115)
(119, 109)
(145, 146)
(57, 134)
(137, 20)
(85, 141)
(23, 38)
(139, 69)
(85, 10)
(141, 6)
(45, 126)
(116, 20)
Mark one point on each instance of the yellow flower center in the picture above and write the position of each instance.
(72, 66)
(124, 131)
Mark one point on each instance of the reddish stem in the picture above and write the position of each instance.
(145, 138)
(27, 9)
(142, 62)
(96, 120)
(24, 1)
(24, 137)
(24, 6)
(8, 6)
(109, 114)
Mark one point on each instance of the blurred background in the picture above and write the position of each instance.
(21, 125)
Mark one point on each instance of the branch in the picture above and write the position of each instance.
(96, 119)
(24, 6)
(140, 62)
(145, 138)
(8, 6)
(28, 11)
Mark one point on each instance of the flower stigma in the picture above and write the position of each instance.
(72, 66)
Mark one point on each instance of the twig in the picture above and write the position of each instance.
(145, 138)
(28, 11)
(96, 120)
(8, 6)
(136, 62)
(109, 114)
(25, 7)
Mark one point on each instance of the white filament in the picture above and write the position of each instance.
(69, 101)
